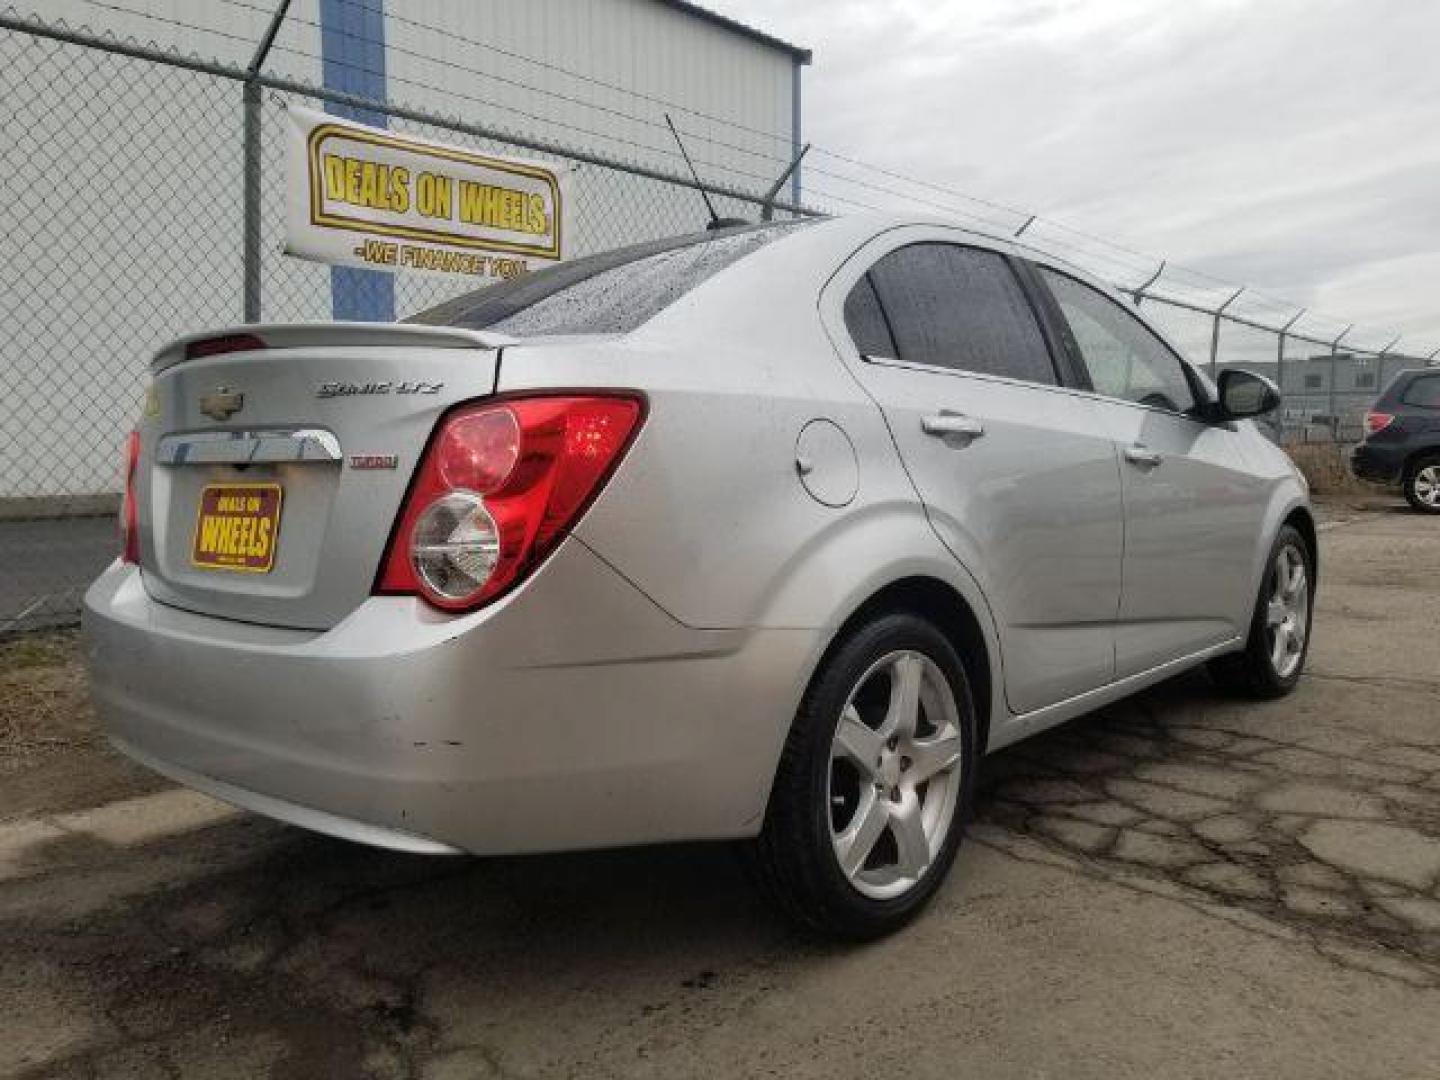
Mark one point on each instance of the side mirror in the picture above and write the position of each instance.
(1243, 394)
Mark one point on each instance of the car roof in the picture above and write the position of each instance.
(874, 222)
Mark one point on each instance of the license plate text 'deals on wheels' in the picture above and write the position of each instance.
(237, 527)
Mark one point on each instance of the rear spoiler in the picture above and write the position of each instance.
(343, 334)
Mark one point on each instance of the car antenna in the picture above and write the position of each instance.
(716, 221)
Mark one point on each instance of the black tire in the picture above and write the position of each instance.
(793, 861)
(1252, 671)
(1412, 474)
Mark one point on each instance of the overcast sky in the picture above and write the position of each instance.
(1290, 144)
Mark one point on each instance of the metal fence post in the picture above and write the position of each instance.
(1280, 362)
(1380, 365)
(1215, 330)
(1380, 380)
(1280, 377)
(251, 254)
(1140, 293)
(252, 167)
(1334, 357)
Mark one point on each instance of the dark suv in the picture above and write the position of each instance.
(1402, 441)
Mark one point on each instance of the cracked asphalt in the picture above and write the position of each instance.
(1182, 885)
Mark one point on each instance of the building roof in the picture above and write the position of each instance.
(800, 56)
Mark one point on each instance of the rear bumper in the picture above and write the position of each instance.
(304, 816)
(1378, 463)
(573, 714)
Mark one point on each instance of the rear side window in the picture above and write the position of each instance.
(866, 322)
(949, 306)
(614, 292)
(1122, 356)
(1423, 393)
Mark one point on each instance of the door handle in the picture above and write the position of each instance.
(949, 423)
(1139, 454)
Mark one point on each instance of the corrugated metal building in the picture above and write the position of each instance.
(597, 75)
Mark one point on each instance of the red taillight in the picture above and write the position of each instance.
(498, 489)
(1378, 421)
(215, 346)
(129, 508)
(478, 450)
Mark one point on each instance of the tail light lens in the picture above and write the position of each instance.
(499, 487)
(129, 508)
(1378, 421)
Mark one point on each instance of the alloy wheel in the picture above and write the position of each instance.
(895, 772)
(1287, 614)
(1426, 486)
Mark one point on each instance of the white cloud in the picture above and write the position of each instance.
(1293, 145)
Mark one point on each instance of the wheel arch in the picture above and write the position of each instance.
(1415, 457)
(1288, 505)
(940, 603)
(1304, 522)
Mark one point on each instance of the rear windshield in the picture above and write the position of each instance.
(1423, 392)
(610, 293)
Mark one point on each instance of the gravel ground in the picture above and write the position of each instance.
(1182, 885)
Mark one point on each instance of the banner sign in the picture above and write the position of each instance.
(362, 196)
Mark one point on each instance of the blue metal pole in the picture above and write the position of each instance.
(352, 49)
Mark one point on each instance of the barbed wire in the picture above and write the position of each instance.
(1019, 215)
(784, 138)
(529, 88)
(881, 187)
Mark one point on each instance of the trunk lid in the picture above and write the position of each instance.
(318, 434)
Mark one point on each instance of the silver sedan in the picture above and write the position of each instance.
(768, 533)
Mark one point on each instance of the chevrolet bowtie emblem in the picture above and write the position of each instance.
(221, 403)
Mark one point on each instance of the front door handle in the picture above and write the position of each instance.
(1139, 454)
(946, 423)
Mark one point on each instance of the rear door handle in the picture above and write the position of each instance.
(1139, 454)
(949, 423)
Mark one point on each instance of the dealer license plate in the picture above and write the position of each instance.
(237, 527)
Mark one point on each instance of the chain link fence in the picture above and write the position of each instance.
(121, 173)
(127, 230)
(1327, 384)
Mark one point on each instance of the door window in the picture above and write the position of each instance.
(949, 306)
(1123, 357)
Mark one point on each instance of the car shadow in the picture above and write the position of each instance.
(248, 871)
(322, 943)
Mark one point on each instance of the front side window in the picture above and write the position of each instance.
(948, 306)
(1123, 356)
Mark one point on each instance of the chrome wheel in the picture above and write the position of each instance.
(1426, 486)
(1287, 614)
(894, 774)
